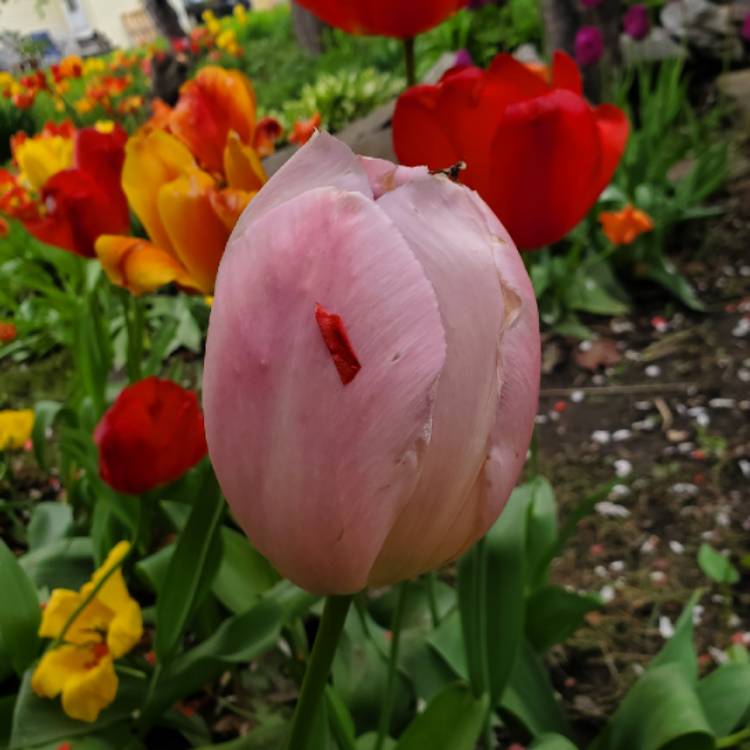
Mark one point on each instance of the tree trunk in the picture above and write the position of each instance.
(308, 29)
(165, 17)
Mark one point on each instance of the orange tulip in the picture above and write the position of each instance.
(303, 130)
(213, 104)
(625, 226)
(182, 208)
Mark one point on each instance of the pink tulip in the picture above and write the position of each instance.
(372, 369)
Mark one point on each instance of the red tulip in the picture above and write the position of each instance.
(537, 152)
(84, 202)
(151, 435)
(384, 17)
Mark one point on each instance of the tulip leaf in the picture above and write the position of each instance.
(679, 649)
(453, 720)
(238, 640)
(725, 697)
(37, 721)
(716, 565)
(191, 570)
(267, 736)
(20, 614)
(542, 529)
(50, 522)
(553, 614)
(491, 582)
(244, 573)
(551, 742)
(66, 563)
(662, 708)
(530, 697)
(45, 414)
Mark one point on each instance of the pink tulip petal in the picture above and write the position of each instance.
(385, 176)
(521, 365)
(323, 161)
(301, 456)
(447, 232)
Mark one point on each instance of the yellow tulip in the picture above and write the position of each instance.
(15, 428)
(109, 625)
(41, 157)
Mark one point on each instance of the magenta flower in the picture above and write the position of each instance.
(463, 59)
(746, 28)
(636, 22)
(589, 45)
(372, 369)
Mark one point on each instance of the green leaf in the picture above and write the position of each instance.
(447, 640)
(50, 522)
(717, 566)
(504, 593)
(725, 697)
(553, 614)
(679, 649)
(367, 742)
(191, 569)
(341, 720)
(238, 640)
(593, 291)
(360, 673)
(661, 708)
(244, 573)
(66, 563)
(153, 569)
(452, 721)
(541, 533)
(45, 414)
(268, 736)
(39, 720)
(530, 697)
(19, 614)
(7, 703)
(551, 742)
(663, 272)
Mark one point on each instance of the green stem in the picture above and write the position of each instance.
(481, 545)
(733, 739)
(432, 599)
(316, 675)
(390, 687)
(410, 61)
(134, 319)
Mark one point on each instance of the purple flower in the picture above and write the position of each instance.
(746, 28)
(636, 22)
(589, 45)
(463, 59)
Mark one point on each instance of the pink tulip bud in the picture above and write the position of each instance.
(372, 369)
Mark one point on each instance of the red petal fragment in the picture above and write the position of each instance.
(336, 339)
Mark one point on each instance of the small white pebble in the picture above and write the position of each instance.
(650, 545)
(658, 577)
(684, 489)
(653, 371)
(632, 355)
(601, 571)
(745, 271)
(698, 611)
(734, 620)
(585, 346)
(646, 425)
(617, 566)
(743, 375)
(719, 656)
(618, 325)
(623, 468)
(742, 328)
(722, 403)
(638, 669)
(644, 405)
(620, 435)
(703, 420)
(685, 447)
(607, 594)
(723, 519)
(676, 547)
(598, 379)
(541, 419)
(619, 491)
(611, 510)
(744, 465)
(577, 396)
(601, 437)
(666, 629)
